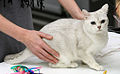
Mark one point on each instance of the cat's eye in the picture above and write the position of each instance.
(103, 21)
(93, 23)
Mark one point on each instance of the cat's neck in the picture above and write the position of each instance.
(98, 37)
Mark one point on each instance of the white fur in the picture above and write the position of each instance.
(74, 40)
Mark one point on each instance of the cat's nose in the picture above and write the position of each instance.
(99, 27)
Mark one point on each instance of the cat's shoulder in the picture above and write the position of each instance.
(66, 20)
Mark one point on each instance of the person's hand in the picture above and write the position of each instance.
(33, 41)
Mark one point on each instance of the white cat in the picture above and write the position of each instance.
(74, 40)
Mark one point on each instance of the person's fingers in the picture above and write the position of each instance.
(82, 16)
(42, 57)
(47, 36)
(47, 55)
(49, 49)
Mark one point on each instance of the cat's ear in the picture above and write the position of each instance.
(104, 8)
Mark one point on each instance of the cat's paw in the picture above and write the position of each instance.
(62, 65)
(73, 65)
(54, 65)
(98, 67)
(58, 65)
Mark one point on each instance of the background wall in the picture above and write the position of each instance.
(53, 10)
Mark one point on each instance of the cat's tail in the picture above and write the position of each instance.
(19, 57)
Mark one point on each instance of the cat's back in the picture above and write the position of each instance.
(60, 24)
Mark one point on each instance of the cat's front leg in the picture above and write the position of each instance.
(64, 62)
(90, 61)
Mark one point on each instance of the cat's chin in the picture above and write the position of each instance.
(99, 31)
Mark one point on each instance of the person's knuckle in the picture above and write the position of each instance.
(42, 33)
(37, 47)
(40, 43)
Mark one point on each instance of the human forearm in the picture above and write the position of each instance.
(32, 39)
(11, 29)
(72, 8)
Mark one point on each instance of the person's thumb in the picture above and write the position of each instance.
(47, 36)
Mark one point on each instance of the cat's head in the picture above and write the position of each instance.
(96, 22)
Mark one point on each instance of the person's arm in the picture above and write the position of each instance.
(32, 39)
(11, 29)
(72, 8)
(118, 8)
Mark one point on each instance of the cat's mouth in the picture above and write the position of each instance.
(99, 31)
